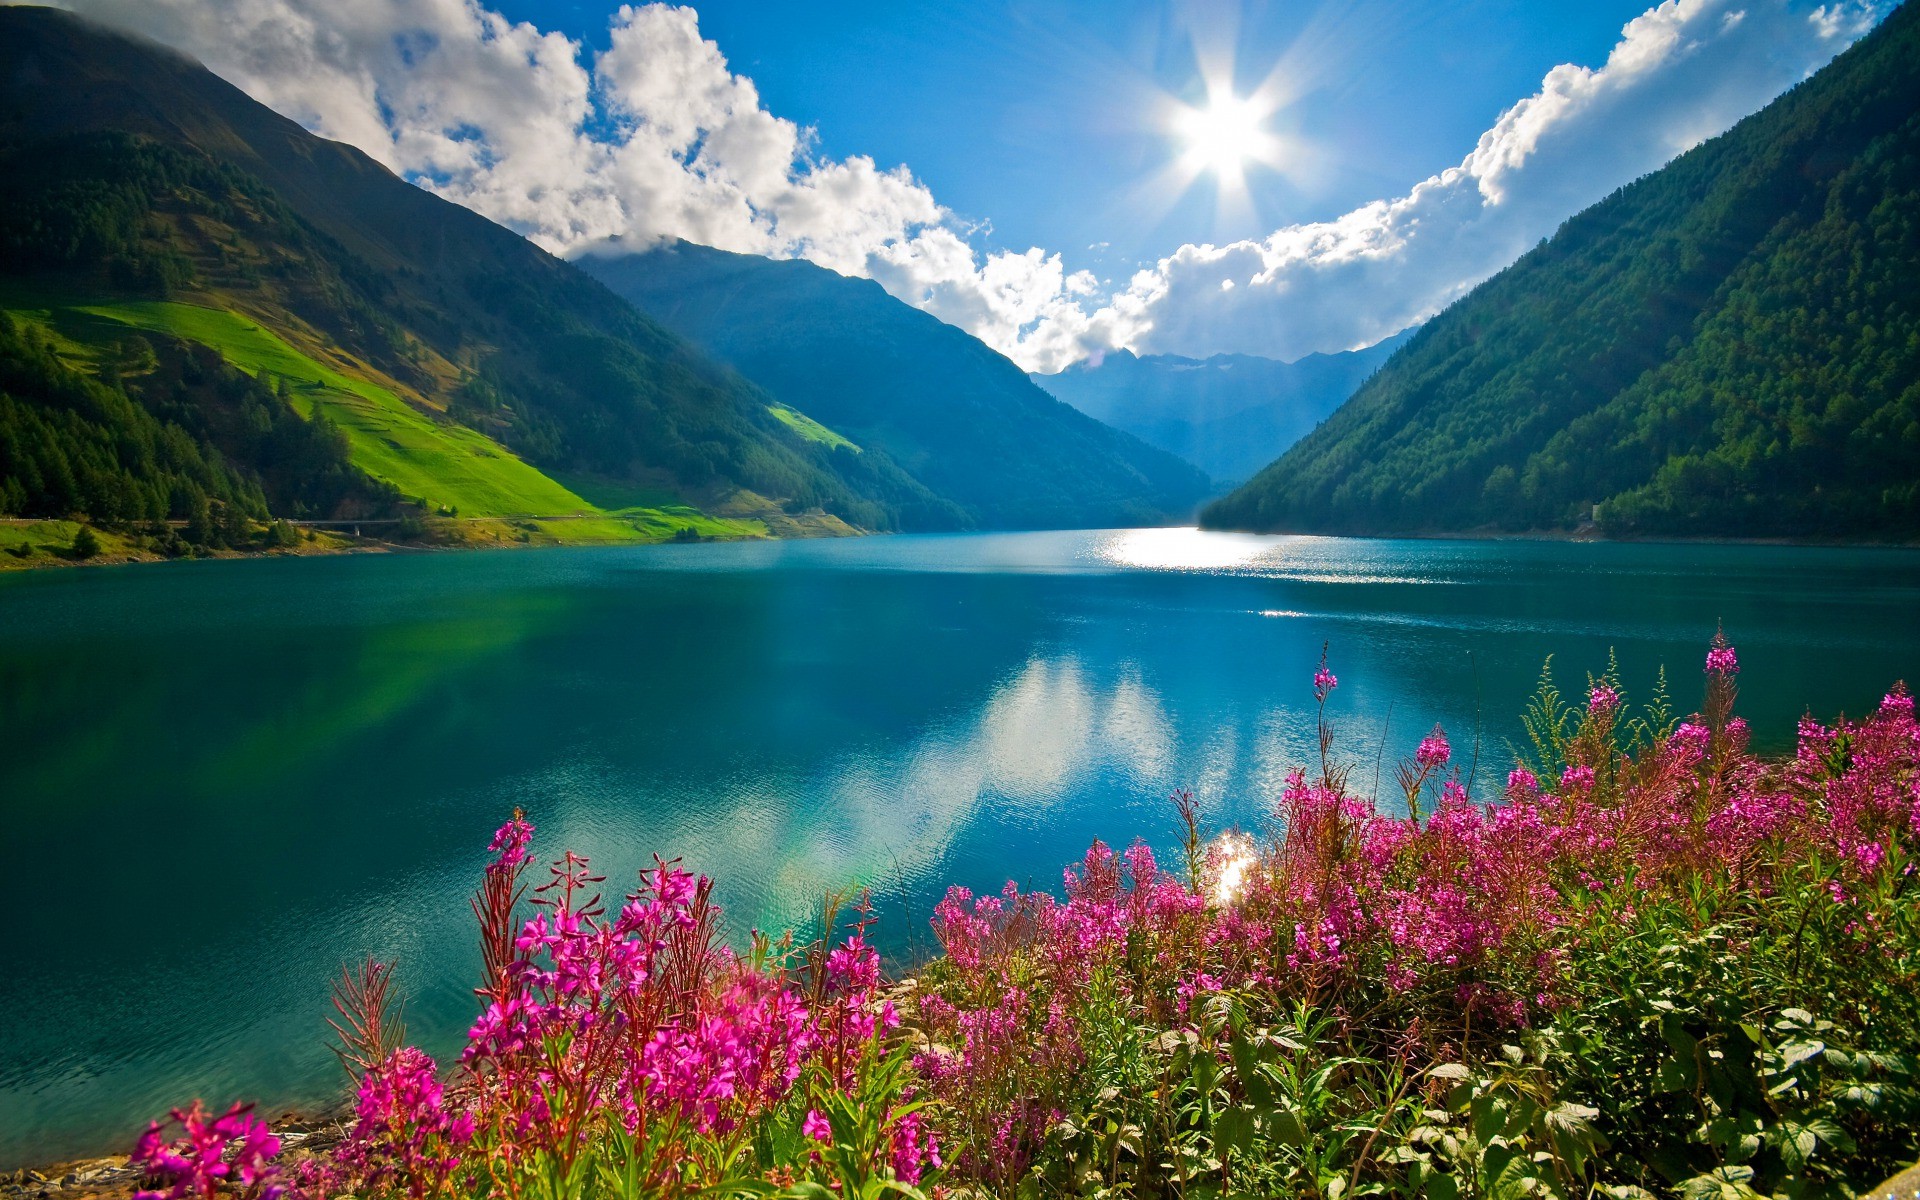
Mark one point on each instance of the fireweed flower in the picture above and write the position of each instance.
(510, 841)
(1522, 785)
(232, 1152)
(1602, 700)
(1434, 751)
(1689, 742)
(1722, 661)
(402, 1129)
(912, 1147)
(815, 1126)
(1324, 681)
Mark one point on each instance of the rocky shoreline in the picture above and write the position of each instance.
(111, 1177)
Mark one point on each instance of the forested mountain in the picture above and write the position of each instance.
(1729, 346)
(469, 369)
(1230, 414)
(954, 413)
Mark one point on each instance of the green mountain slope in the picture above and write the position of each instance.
(955, 414)
(466, 367)
(445, 464)
(1230, 414)
(1729, 346)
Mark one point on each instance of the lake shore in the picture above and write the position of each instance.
(27, 545)
(34, 545)
(113, 1177)
(1585, 533)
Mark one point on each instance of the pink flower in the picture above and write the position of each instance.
(913, 1148)
(1434, 751)
(1602, 700)
(816, 1126)
(1722, 661)
(1522, 784)
(210, 1153)
(1324, 681)
(1689, 743)
(510, 841)
(854, 966)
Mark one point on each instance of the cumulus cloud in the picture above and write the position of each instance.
(655, 137)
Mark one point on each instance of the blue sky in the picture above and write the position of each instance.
(1061, 179)
(1032, 117)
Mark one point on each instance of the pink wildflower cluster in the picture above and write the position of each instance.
(633, 1026)
(231, 1154)
(403, 1130)
(1470, 904)
(1004, 1037)
(1434, 751)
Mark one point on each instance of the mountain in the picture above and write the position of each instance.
(958, 416)
(148, 208)
(1728, 346)
(1230, 414)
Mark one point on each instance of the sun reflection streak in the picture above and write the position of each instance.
(1184, 549)
(1230, 858)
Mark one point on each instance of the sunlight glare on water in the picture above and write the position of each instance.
(1187, 549)
(1231, 856)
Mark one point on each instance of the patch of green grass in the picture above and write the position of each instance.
(632, 526)
(666, 521)
(45, 543)
(443, 463)
(809, 428)
(613, 494)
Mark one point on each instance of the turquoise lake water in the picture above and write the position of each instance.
(222, 780)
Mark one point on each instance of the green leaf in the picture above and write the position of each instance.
(1489, 1119)
(1677, 1075)
(1246, 1065)
(1792, 1054)
(1233, 1130)
(1832, 1134)
(1796, 1144)
(1287, 1127)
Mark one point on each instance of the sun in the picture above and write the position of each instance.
(1225, 135)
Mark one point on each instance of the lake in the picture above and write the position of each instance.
(222, 780)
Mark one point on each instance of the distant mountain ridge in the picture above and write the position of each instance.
(1230, 414)
(1728, 346)
(463, 370)
(136, 178)
(953, 412)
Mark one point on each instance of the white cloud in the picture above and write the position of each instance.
(656, 137)
(1681, 73)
